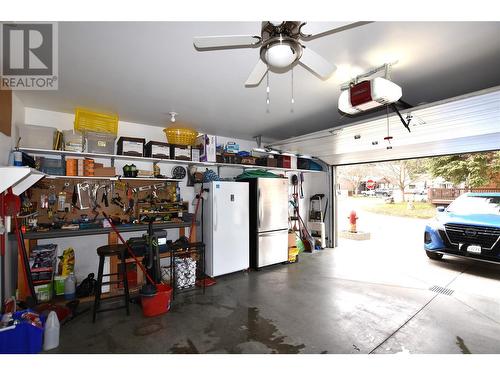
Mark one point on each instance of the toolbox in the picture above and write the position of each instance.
(130, 146)
(154, 149)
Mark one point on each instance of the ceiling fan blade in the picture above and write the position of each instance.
(226, 41)
(316, 64)
(258, 72)
(314, 30)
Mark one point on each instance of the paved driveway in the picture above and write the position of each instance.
(394, 256)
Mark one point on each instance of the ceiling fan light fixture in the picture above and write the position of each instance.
(281, 54)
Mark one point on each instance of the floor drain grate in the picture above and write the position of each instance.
(441, 290)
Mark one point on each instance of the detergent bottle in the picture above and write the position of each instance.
(51, 332)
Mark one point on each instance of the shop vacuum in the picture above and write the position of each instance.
(155, 296)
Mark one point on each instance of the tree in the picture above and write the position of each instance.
(355, 174)
(473, 170)
(403, 172)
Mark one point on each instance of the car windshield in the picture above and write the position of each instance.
(481, 205)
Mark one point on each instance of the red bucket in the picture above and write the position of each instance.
(159, 303)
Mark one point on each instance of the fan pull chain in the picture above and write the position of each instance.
(292, 101)
(268, 101)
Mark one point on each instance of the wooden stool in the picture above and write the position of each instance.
(109, 251)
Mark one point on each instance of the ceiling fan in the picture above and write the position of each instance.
(280, 47)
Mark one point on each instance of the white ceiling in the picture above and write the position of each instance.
(143, 70)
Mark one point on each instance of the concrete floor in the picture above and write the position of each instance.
(362, 297)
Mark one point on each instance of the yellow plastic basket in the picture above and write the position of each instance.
(181, 135)
(86, 120)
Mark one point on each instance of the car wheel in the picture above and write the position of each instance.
(434, 256)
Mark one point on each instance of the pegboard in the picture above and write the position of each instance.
(165, 193)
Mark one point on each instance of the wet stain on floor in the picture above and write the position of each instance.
(245, 326)
(190, 348)
(148, 329)
(461, 344)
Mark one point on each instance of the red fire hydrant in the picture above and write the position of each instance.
(352, 220)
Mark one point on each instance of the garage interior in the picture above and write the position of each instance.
(285, 130)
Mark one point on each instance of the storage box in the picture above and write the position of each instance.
(44, 292)
(23, 338)
(284, 161)
(180, 152)
(130, 146)
(52, 166)
(105, 172)
(250, 160)
(267, 162)
(303, 163)
(232, 147)
(207, 144)
(43, 259)
(73, 141)
(100, 143)
(33, 136)
(154, 149)
(195, 154)
(59, 285)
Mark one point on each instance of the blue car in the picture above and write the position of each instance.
(468, 227)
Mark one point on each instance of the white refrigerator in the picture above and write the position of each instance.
(225, 227)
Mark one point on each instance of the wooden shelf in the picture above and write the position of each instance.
(157, 160)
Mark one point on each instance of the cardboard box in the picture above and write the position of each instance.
(105, 172)
(44, 292)
(292, 240)
(207, 144)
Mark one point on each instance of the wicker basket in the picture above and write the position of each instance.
(181, 135)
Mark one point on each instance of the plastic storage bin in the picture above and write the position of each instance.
(90, 121)
(33, 136)
(130, 146)
(155, 149)
(100, 143)
(51, 166)
(22, 338)
(73, 141)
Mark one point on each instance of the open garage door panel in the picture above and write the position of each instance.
(468, 123)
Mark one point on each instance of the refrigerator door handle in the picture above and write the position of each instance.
(215, 212)
(273, 233)
(259, 208)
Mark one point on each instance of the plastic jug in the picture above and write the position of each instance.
(51, 332)
(70, 287)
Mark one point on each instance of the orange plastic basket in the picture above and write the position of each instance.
(87, 120)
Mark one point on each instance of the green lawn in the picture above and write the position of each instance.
(422, 210)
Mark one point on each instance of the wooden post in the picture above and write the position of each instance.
(113, 262)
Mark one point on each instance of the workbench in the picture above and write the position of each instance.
(31, 238)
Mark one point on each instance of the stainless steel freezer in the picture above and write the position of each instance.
(268, 221)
